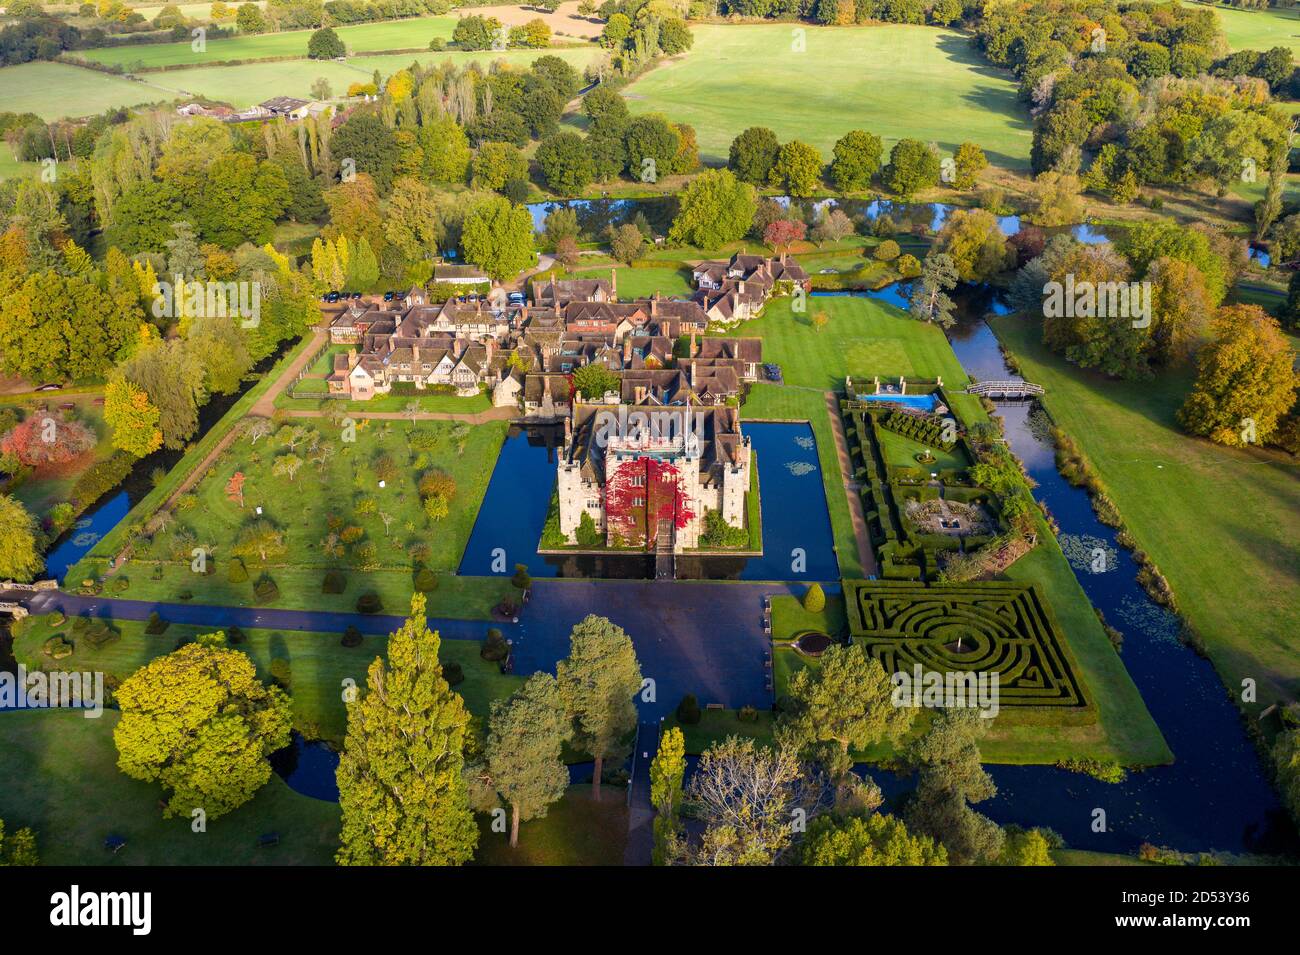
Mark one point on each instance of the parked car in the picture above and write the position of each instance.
(516, 298)
(388, 296)
(773, 372)
(50, 387)
(356, 295)
(332, 297)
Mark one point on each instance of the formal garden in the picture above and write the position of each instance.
(322, 514)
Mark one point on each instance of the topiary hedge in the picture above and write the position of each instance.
(369, 602)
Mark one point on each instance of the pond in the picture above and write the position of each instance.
(797, 539)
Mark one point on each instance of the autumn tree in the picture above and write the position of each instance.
(199, 722)
(497, 236)
(783, 233)
(44, 440)
(235, 488)
(626, 243)
(526, 736)
(598, 680)
(132, 416)
(667, 770)
(402, 788)
(856, 160)
(18, 849)
(977, 245)
(968, 162)
(1245, 380)
(798, 168)
(260, 539)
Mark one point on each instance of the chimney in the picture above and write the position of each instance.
(694, 349)
(693, 364)
(740, 286)
(490, 346)
(415, 353)
(654, 306)
(627, 351)
(613, 285)
(555, 296)
(640, 394)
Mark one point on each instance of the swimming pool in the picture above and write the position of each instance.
(923, 402)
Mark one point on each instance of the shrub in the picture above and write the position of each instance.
(688, 710)
(266, 589)
(453, 674)
(236, 572)
(351, 637)
(99, 634)
(156, 625)
(426, 581)
(495, 648)
(234, 636)
(369, 602)
(887, 251)
(747, 714)
(814, 601)
(334, 582)
(521, 578)
(56, 618)
(120, 585)
(57, 647)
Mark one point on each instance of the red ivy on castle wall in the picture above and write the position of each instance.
(658, 485)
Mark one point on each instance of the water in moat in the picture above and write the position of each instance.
(797, 539)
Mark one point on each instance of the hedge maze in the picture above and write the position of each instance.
(1006, 628)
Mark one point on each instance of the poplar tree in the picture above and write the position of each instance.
(401, 786)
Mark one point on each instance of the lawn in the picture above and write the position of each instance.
(319, 664)
(642, 283)
(363, 38)
(577, 830)
(61, 778)
(1220, 523)
(11, 168)
(53, 90)
(453, 404)
(896, 81)
(1258, 29)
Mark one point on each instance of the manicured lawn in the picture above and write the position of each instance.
(1220, 523)
(577, 830)
(319, 664)
(53, 90)
(643, 283)
(1258, 29)
(716, 725)
(789, 618)
(863, 337)
(452, 404)
(362, 38)
(61, 778)
(896, 81)
(901, 451)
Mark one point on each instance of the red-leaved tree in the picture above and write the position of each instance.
(780, 234)
(45, 439)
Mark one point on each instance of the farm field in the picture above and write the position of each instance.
(896, 81)
(1196, 508)
(54, 90)
(361, 38)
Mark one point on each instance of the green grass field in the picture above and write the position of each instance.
(896, 81)
(1258, 29)
(318, 662)
(363, 38)
(642, 283)
(62, 780)
(11, 168)
(54, 90)
(1220, 523)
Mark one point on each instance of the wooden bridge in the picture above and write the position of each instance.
(1005, 389)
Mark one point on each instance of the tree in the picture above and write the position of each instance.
(783, 233)
(1026, 848)
(44, 440)
(626, 242)
(402, 789)
(476, 32)
(21, 541)
(913, 166)
(877, 840)
(667, 770)
(798, 168)
(832, 226)
(1097, 332)
(249, 19)
(371, 146)
(856, 160)
(950, 777)
(977, 245)
(753, 154)
(325, 44)
(848, 700)
(497, 236)
(18, 849)
(235, 488)
(592, 381)
(566, 164)
(598, 680)
(969, 161)
(446, 150)
(714, 209)
(930, 301)
(1245, 381)
(172, 375)
(260, 539)
(1058, 201)
(199, 722)
(525, 746)
(412, 220)
(132, 416)
(1181, 310)
(745, 795)
(320, 89)
(814, 599)
(652, 145)
(495, 164)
